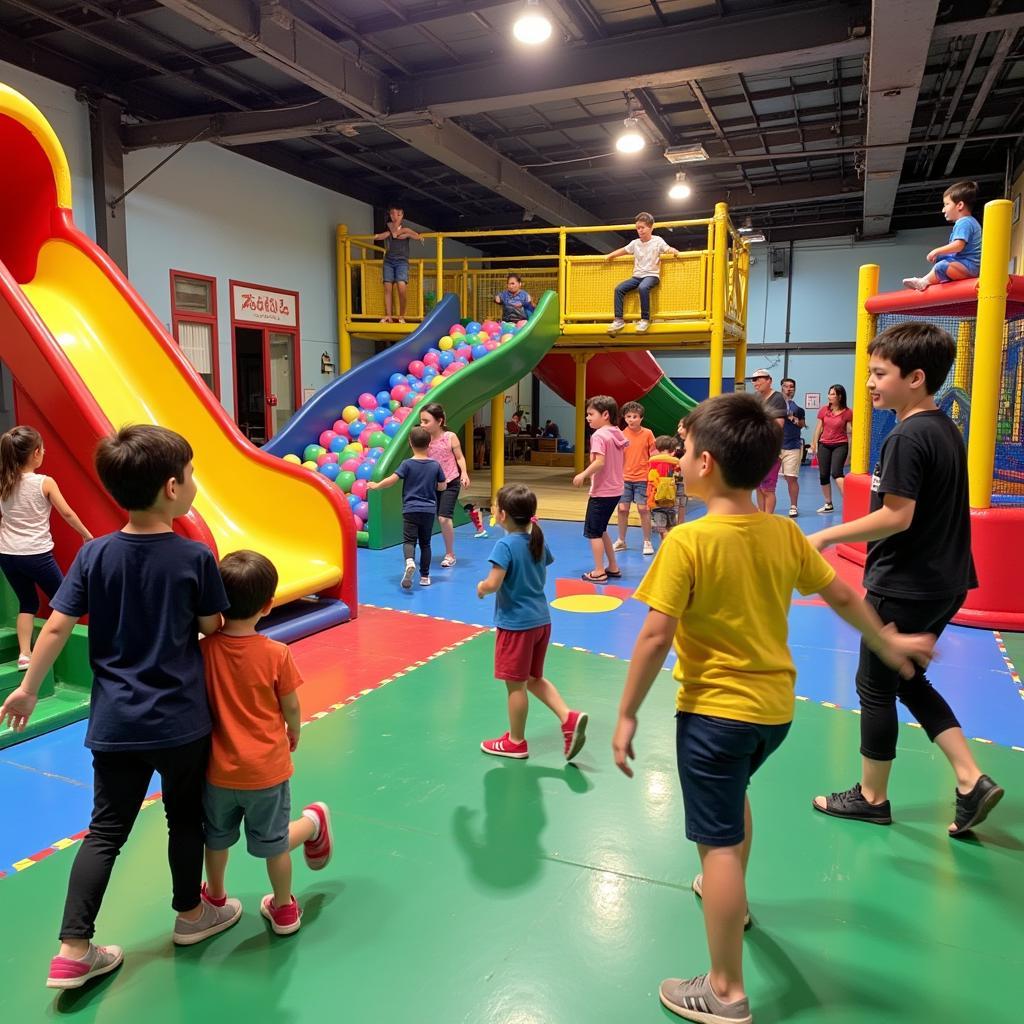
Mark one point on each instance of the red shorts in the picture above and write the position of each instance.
(519, 653)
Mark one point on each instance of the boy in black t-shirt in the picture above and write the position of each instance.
(149, 592)
(422, 477)
(918, 570)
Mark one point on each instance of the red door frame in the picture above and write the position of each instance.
(188, 316)
(265, 328)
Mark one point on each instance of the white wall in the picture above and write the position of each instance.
(70, 120)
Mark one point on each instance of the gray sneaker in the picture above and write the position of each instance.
(212, 921)
(695, 999)
(642, 325)
(616, 325)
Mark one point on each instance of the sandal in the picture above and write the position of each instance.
(851, 804)
(592, 578)
(448, 561)
(617, 575)
(973, 808)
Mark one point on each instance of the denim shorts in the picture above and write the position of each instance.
(599, 515)
(664, 518)
(716, 758)
(634, 492)
(396, 270)
(266, 814)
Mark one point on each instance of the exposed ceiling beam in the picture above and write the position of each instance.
(901, 32)
(35, 28)
(423, 13)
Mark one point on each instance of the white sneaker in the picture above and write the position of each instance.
(827, 509)
(793, 511)
(619, 545)
(480, 533)
(642, 326)
(919, 284)
(616, 325)
(424, 581)
(410, 568)
(648, 548)
(23, 662)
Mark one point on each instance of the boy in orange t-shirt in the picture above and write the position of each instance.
(251, 682)
(634, 490)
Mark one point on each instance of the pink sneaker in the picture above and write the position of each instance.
(504, 747)
(574, 732)
(284, 920)
(66, 972)
(204, 895)
(318, 851)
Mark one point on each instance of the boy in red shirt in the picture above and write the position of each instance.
(634, 490)
(251, 682)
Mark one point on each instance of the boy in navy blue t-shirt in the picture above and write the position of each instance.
(422, 477)
(148, 593)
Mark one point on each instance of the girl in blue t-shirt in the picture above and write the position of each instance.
(519, 564)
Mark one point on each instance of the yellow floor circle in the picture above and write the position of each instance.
(586, 603)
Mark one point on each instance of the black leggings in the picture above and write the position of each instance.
(879, 686)
(120, 783)
(832, 461)
(417, 528)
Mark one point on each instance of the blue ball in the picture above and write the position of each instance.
(362, 510)
(479, 351)
(353, 500)
(330, 470)
(410, 399)
(394, 380)
(392, 428)
(447, 358)
(380, 415)
(355, 428)
(339, 444)
(364, 471)
(383, 397)
(473, 327)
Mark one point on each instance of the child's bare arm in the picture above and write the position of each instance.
(409, 233)
(900, 651)
(20, 704)
(615, 255)
(957, 245)
(292, 712)
(52, 491)
(894, 516)
(210, 623)
(492, 583)
(381, 235)
(388, 481)
(596, 462)
(649, 653)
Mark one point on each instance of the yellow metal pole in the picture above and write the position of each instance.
(579, 456)
(964, 357)
(867, 285)
(344, 298)
(988, 342)
(439, 277)
(497, 448)
(561, 279)
(719, 269)
(740, 369)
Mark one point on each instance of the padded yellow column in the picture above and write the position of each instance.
(988, 341)
(344, 299)
(579, 456)
(719, 269)
(867, 285)
(497, 447)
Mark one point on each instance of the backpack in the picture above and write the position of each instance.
(665, 490)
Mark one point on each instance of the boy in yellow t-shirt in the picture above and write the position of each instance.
(720, 588)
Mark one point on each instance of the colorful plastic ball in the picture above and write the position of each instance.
(445, 343)
(507, 336)
(353, 450)
(431, 358)
(394, 404)
(437, 381)
(326, 457)
(456, 329)
(293, 459)
(454, 368)
(399, 391)
(392, 427)
(309, 464)
(383, 397)
(365, 471)
(403, 413)
(353, 500)
(359, 490)
(349, 413)
(340, 428)
(357, 428)
(312, 451)
(395, 379)
(362, 511)
(351, 464)
(358, 523)
(473, 327)
(490, 346)
(378, 439)
(325, 439)
(345, 479)
(520, 324)
(416, 368)
(479, 351)
(331, 470)
(380, 415)
(339, 444)
(409, 401)
(447, 358)
(430, 373)
(367, 401)
(417, 398)
(464, 352)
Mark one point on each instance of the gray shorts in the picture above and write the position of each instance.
(664, 518)
(266, 813)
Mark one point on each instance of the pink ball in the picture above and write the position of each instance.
(520, 324)
(367, 401)
(340, 428)
(506, 337)
(465, 353)
(416, 369)
(399, 391)
(402, 414)
(418, 398)
(431, 359)
(358, 523)
(350, 465)
(456, 329)
(326, 457)
(454, 368)
(326, 438)
(359, 489)
(490, 345)
(490, 325)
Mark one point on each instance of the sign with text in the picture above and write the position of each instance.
(812, 399)
(259, 306)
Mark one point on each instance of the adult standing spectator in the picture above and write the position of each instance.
(776, 406)
(831, 443)
(792, 443)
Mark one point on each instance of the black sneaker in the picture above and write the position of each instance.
(974, 808)
(851, 804)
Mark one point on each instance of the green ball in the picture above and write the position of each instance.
(312, 452)
(393, 405)
(345, 479)
(378, 439)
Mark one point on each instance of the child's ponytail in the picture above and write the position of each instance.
(16, 448)
(519, 503)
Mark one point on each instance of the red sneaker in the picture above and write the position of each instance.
(204, 895)
(574, 732)
(284, 920)
(504, 747)
(66, 972)
(318, 851)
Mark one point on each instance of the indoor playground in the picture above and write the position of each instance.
(467, 889)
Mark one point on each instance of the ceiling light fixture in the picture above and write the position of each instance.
(686, 154)
(533, 26)
(680, 189)
(631, 140)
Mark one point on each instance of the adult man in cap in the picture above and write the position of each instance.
(775, 405)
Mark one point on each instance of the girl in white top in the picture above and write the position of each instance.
(26, 547)
(446, 450)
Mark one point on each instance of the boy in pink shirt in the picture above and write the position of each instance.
(606, 473)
